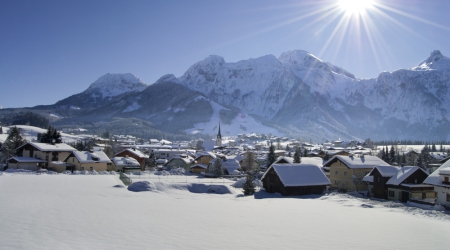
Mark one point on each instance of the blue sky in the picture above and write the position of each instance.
(50, 50)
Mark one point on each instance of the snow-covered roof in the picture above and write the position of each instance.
(293, 175)
(435, 179)
(204, 166)
(386, 171)
(135, 152)
(402, 174)
(230, 165)
(438, 155)
(86, 156)
(208, 153)
(51, 147)
(125, 162)
(368, 178)
(317, 161)
(368, 161)
(289, 160)
(26, 159)
(187, 160)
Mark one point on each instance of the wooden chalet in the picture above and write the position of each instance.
(295, 179)
(134, 153)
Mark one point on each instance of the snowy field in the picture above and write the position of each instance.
(98, 212)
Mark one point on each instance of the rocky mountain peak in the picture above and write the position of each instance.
(435, 61)
(116, 84)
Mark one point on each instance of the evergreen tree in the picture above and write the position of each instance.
(425, 157)
(271, 156)
(305, 152)
(1, 130)
(12, 142)
(52, 136)
(392, 154)
(433, 148)
(404, 158)
(419, 162)
(218, 171)
(249, 186)
(297, 158)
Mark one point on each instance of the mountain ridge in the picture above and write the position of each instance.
(296, 93)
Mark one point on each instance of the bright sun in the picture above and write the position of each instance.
(355, 7)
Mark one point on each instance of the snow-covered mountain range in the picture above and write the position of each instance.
(296, 94)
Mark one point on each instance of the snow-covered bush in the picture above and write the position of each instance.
(177, 171)
(164, 173)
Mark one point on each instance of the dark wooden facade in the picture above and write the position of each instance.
(273, 184)
(379, 189)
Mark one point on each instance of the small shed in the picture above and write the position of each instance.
(295, 179)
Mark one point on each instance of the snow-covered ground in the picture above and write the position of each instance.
(30, 133)
(97, 212)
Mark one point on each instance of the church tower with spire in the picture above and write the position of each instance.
(219, 138)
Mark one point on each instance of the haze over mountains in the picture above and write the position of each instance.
(295, 94)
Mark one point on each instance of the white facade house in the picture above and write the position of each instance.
(440, 179)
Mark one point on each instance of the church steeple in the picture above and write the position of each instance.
(219, 138)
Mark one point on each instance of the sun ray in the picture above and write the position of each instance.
(413, 17)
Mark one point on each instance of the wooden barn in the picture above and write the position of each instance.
(295, 179)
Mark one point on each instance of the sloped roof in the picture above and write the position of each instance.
(186, 160)
(402, 174)
(289, 160)
(135, 152)
(86, 157)
(368, 161)
(125, 162)
(51, 147)
(200, 154)
(435, 179)
(386, 171)
(26, 159)
(204, 166)
(294, 175)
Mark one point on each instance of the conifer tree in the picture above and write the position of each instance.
(249, 186)
(1, 130)
(271, 156)
(12, 142)
(297, 158)
(392, 154)
(218, 171)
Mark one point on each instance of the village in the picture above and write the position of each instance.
(278, 165)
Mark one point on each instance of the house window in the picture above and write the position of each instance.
(82, 168)
(424, 195)
(448, 197)
(336, 183)
(345, 173)
(54, 156)
(336, 172)
(446, 178)
(391, 193)
(91, 168)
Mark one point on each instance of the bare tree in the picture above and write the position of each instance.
(249, 162)
(357, 179)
